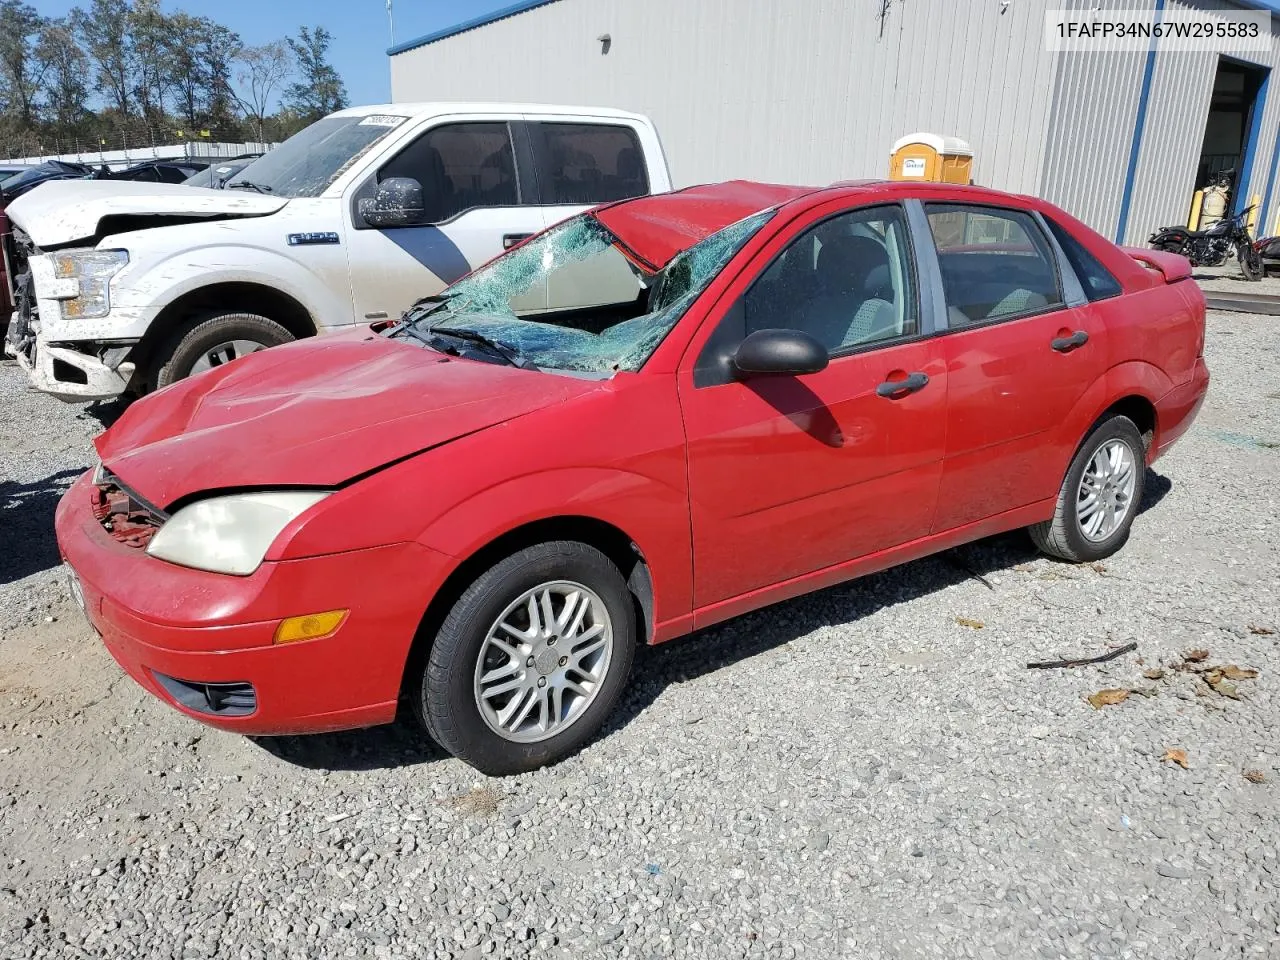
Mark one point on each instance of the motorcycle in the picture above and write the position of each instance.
(1211, 248)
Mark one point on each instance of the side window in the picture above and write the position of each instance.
(585, 163)
(1097, 280)
(996, 264)
(846, 282)
(460, 166)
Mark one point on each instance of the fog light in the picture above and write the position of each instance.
(313, 626)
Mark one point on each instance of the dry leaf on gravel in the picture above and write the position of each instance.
(1106, 698)
(480, 802)
(1255, 776)
(1232, 672)
(1153, 674)
(1195, 656)
(1174, 755)
(971, 624)
(1260, 631)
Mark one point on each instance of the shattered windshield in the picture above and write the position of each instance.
(572, 300)
(306, 163)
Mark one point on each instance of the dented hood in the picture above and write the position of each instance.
(64, 211)
(315, 413)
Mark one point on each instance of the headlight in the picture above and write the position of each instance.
(94, 269)
(229, 534)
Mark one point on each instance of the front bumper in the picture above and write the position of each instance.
(67, 374)
(163, 622)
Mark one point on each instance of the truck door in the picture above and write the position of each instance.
(477, 203)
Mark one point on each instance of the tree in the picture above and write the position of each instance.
(199, 58)
(104, 29)
(150, 36)
(262, 70)
(65, 68)
(319, 90)
(21, 72)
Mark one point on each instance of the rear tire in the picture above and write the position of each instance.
(473, 693)
(213, 339)
(1096, 499)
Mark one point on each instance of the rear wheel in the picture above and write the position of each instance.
(1099, 496)
(531, 659)
(215, 339)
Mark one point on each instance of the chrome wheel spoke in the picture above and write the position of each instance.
(1106, 490)
(543, 661)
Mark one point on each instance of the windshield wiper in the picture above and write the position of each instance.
(248, 185)
(494, 346)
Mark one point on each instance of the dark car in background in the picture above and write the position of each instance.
(216, 175)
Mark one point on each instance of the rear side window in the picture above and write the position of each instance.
(996, 263)
(1097, 280)
(588, 163)
(460, 166)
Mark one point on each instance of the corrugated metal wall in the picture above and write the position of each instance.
(812, 91)
(793, 90)
(1092, 124)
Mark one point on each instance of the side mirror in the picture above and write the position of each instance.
(780, 353)
(398, 203)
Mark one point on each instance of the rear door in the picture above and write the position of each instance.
(479, 195)
(1022, 347)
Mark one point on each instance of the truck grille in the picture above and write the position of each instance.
(123, 514)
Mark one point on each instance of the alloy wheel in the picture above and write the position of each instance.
(1106, 490)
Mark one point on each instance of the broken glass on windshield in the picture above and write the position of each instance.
(573, 300)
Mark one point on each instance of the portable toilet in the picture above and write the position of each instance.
(931, 156)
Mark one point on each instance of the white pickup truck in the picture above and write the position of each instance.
(130, 286)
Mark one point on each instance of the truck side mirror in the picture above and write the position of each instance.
(397, 203)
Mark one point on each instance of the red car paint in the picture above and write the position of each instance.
(736, 496)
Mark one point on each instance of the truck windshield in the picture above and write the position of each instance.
(573, 300)
(306, 163)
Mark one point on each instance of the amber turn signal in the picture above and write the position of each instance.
(312, 626)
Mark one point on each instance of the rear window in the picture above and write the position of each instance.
(1097, 280)
(587, 163)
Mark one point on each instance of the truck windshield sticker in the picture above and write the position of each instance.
(382, 120)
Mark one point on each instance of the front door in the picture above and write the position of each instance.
(1018, 359)
(476, 205)
(789, 475)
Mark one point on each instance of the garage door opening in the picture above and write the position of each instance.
(1231, 129)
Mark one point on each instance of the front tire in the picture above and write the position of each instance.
(530, 660)
(1251, 263)
(213, 339)
(1099, 496)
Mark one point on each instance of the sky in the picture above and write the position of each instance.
(360, 30)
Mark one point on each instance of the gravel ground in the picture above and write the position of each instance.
(1228, 279)
(869, 772)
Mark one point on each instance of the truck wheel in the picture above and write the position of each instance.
(213, 339)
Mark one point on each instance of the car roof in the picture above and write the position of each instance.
(435, 107)
(657, 227)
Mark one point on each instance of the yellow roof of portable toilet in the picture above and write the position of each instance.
(945, 146)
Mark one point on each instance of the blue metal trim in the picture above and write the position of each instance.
(481, 21)
(1135, 147)
(1251, 149)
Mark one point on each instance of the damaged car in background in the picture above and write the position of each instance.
(648, 419)
(123, 287)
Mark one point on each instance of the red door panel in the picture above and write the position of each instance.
(1008, 389)
(791, 475)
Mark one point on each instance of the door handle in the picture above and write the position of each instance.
(509, 240)
(897, 389)
(1066, 344)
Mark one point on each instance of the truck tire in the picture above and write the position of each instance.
(213, 339)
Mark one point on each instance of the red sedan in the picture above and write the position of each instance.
(649, 418)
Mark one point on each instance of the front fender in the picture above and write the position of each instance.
(654, 515)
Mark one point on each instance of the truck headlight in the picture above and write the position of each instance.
(230, 534)
(94, 270)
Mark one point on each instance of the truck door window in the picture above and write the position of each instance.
(590, 163)
(460, 166)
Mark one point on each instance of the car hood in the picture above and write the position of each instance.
(317, 413)
(66, 211)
